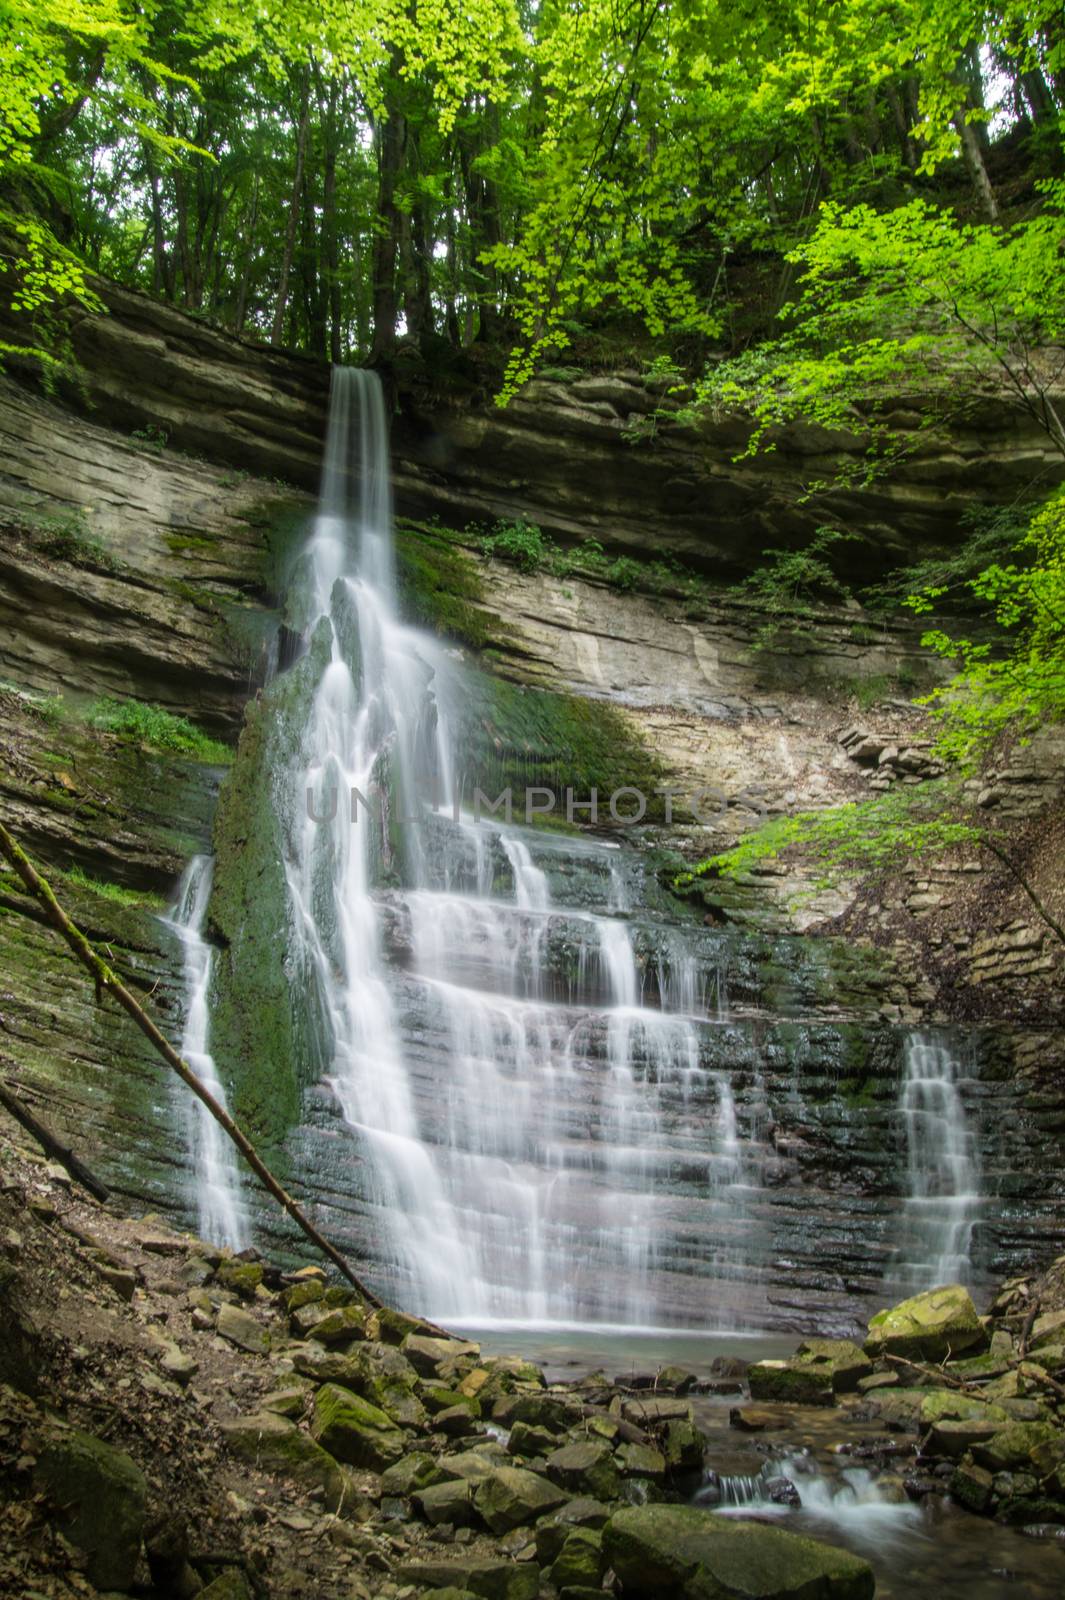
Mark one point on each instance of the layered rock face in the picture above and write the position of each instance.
(582, 459)
(162, 589)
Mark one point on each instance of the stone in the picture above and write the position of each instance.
(99, 1495)
(970, 1486)
(287, 1402)
(354, 1430)
(229, 1585)
(339, 1325)
(790, 1383)
(456, 1422)
(950, 1405)
(553, 1531)
(427, 1355)
(675, 1380)
(177, 1364)
(553, 1412)
(928, 1327)
(243, 1277)
(474, 1465)
(525, 1440)
(750, 1420)
(277, 1445)
(446, 1502)
(436, 1398)
(1047, 1329)
(242, 1329)
(416, 1471)
(640, 1461)
(586, 1464)
(580, 1561)
(841, 1360)
(954, 1439)
(1012, 1446)
(489, 1580)
(690, 1554)
(512, 1497)
(684, 1447)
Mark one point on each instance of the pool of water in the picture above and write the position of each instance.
(928, 1550)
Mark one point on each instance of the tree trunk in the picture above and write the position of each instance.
(391, 143)
(974, 160)
(293, 214)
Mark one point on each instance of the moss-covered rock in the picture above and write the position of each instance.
(99, 1496)
(354, 1430)
(928, 1327)
(683, 1552)
(277, 1445)
(511, 1497)
(580, 1561)
(1012, 1446)
(792, 1382)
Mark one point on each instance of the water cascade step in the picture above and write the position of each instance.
(944, 1199)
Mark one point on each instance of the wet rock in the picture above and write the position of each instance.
(354, 1430)
(782, 1491)
(99, 1495)
(683, 1447)
(928, 1327)
(750, 1420)
(277, 1445)
(242, 1329)
(971, 1487)
(513, 1497)
(791, 1383)
(1012, 1446)
(692, 1554)
(954, 1439)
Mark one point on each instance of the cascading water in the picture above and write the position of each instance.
(217, 1182)
(516, 1115)
(944, 1199)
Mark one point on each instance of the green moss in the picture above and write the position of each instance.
(115, 892)
(157, 729)
(441, 586)
(179, 543)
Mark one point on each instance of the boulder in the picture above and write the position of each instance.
(446, 1502)
(491, 1580)
(790, 1382)
(580, 1561)
(427, 1355)
(354, 1430)
(415, 1471)
(242, 1329)
(1012, 1447)
(690, 1554)
(640, 1461)
(554, 1412)
(339, 1325)
(970, 1486)
(1047, 1329)
(99, 1494)
(683, 1446)
(585, 1465)
(277, 1445)
(552, 1532)
(928, 1327)
(525, 1440)
(840, 1360)
(474, 1465)
(512, 1497)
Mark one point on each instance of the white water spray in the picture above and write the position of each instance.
(944, 1196)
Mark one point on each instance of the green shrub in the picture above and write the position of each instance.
(157, 729)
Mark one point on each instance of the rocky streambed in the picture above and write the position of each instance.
(176, 1420)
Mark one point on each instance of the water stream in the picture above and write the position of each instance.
(943, 1180)
(219, 1207)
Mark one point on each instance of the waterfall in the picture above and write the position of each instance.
(532, 1138)
(217, 1180)
(944, 1200)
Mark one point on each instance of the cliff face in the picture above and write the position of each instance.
(148, 567)
(581, 459)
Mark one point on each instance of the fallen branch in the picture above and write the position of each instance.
(107, 982)
(51, 1145)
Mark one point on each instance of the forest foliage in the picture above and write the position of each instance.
(848, 213)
